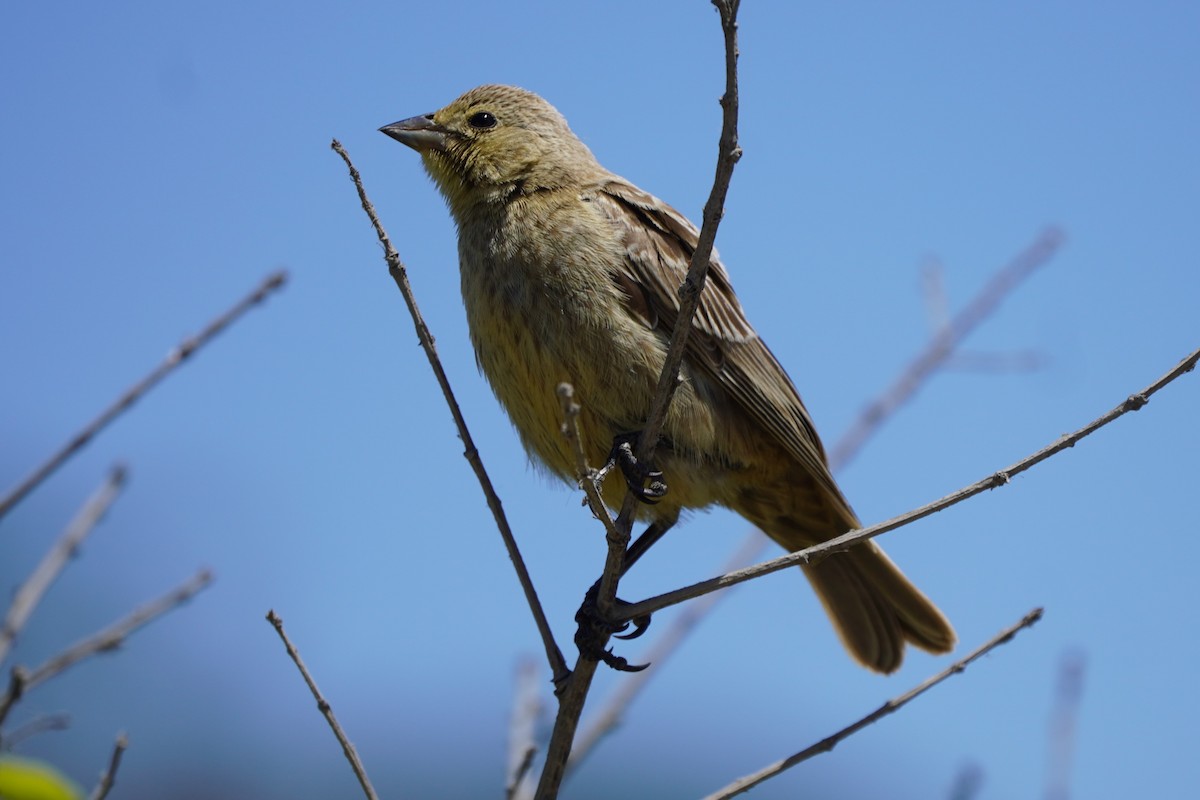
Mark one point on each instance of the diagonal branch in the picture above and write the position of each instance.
(173, 360)
(105, 641)
(943, 343)
(30, 594)
(356, 764)
(895, 704)
(845, 541)
(399, 273)
(109, 777)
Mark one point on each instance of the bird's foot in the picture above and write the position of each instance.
(643, 479)
(594, 630)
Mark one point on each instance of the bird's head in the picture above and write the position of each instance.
(495, 142)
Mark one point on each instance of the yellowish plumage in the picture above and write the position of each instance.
(569, 273)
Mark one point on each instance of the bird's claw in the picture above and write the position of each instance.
(644, 481)
(640, 625)
(594, 629)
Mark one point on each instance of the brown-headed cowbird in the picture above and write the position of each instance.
(570, 274)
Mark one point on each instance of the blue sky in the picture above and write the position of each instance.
(159, 159)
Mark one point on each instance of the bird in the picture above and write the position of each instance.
(569, 273)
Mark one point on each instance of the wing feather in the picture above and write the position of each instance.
(723, 345)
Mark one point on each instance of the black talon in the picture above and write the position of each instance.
(644, 481)
(640, 625)
(594, 630)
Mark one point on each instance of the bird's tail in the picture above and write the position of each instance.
(874, 608)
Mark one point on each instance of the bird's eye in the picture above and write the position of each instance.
(482, 120)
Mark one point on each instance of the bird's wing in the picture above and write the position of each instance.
(659, 243)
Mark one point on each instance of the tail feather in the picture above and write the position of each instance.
(875, 609)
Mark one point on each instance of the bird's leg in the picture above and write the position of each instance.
(636, 473)
(593, 627)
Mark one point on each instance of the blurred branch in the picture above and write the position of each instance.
(967, 783)
(323, 705)
(895, 704)
(945, 339)
(105, 641)
(522, 727)
(997, 479)
(1063, 723)
(40, 724)
(30, 594)
(573, 692)
(174, 359)
(109, 777)
(399, 273)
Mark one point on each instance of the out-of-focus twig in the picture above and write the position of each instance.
(174, 359)
(967, 783)
(573, 692)
(1063, 722)
(30, 594)
(109, 777)
(326, 710)
(105, 641)
(399, 273)
(943, 342)
(828, 743)
(522, 730)
(997, 479)
(40, 724)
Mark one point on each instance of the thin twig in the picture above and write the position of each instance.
(918, 371)
(944, 340)
(895, 704)
(399, 273)
(323, 705)
(109, 777)
(174, 358)
(584, 474)
(845, 541)
(105, 641)
(522, 729)
(30, 594)
(572, 694)
(40, 724)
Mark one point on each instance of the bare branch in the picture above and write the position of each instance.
(399, 273)
(845, 541)
(174, 359)
(945, 339)
(573, 692)
(109, 777)
(39, 724)
(105, 641)
(585, 476)
(323, 704)
(522, 730)
(895, 704)
(30, 594)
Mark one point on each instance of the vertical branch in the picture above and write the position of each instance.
(573, 693)
(108, 778)
(1062, 725)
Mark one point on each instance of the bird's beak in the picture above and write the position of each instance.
(420, 133)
